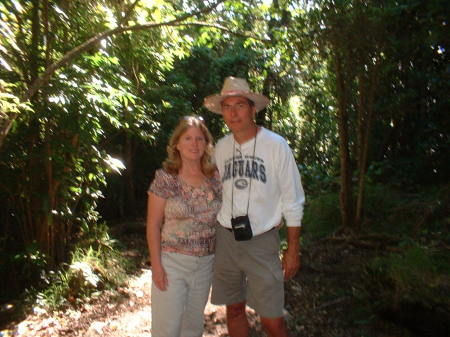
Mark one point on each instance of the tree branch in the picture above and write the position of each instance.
(72, 54)
(69, 56)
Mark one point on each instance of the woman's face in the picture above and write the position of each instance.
(191, 144)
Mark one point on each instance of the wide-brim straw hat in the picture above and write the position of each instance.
(234, 86)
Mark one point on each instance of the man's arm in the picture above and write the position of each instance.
(292, 199)
(291, 257)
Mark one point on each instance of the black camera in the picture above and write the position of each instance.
(241, 228)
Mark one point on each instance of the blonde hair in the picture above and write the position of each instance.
(173, 162)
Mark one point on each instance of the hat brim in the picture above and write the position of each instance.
(213, 102)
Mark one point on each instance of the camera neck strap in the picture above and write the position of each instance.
(250, 178)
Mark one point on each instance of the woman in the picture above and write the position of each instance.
(183, 202)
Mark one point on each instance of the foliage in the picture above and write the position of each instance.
(410, 285)
(418, 214)
(347, 39)
(10, 103)
(316, 180)
(407, 278)
(378, 67)
(96, 264)
(19, 264)
(69, 131)
(418, 66)
(415, 274)
(321, 216)
(402, 252)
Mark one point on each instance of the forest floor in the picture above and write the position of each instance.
(321, 301)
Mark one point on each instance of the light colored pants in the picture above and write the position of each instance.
(178, 311)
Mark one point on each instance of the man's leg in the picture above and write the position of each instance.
(237, 322)
(274, 327)
(265, 282)
(229, 283)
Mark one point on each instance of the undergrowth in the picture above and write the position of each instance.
(407, 277)
(96, 264)
(414, 274)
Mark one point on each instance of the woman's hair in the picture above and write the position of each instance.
(173, 162)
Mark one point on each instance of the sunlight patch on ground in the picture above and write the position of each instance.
(132, 324)
(142, 282)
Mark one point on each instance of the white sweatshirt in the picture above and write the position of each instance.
(276, 190)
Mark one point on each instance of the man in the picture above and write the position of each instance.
(261, 185)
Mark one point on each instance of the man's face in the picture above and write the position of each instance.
(238, 114)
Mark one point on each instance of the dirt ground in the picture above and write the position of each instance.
(321, 301)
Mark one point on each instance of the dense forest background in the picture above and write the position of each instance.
(91, 89)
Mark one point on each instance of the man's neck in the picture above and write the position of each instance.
(246, 135)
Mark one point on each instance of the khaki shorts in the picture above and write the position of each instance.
(249, 271)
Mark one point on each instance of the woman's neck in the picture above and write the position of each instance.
(192, 173)
(191, 168)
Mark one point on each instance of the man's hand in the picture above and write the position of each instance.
(291, 257)
(290, 263)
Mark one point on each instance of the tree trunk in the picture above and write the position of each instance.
(364, 146)
(345, 195)
(361, 146)
(130, 194)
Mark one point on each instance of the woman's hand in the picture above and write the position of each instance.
(159, 277)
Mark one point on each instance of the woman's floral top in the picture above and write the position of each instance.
(190, 223)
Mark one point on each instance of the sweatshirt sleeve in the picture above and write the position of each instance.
(291, 189)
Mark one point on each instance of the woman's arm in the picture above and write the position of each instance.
(155, 217)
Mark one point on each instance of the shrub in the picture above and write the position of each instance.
(415, 274)
(96, 264)
(322, 215)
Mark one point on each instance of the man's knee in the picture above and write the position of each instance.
(235, 310)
